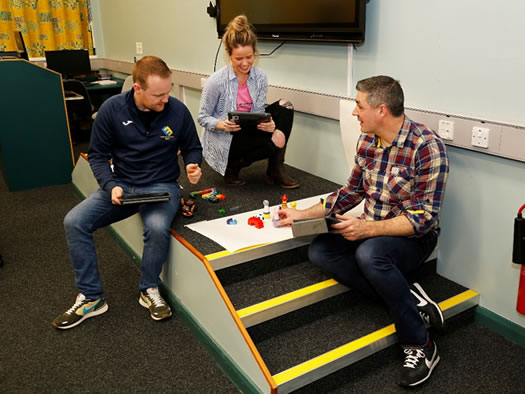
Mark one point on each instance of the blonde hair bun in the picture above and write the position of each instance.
(239, 32)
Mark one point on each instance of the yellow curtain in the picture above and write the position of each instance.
(46, 25)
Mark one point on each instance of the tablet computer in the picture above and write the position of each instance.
(141, 198)
(304, 227)
(245, 119)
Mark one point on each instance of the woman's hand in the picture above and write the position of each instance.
(227, 126)
(269, 126)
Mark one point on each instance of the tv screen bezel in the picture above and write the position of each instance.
(312, 32)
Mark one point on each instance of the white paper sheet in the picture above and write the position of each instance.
(233, 237)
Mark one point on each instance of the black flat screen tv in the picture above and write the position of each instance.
(300, 20)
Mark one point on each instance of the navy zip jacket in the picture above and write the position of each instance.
(141, 157)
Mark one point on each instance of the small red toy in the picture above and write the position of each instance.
(255, 221)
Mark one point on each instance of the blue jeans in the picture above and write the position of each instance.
(376, 267)
(97, 211)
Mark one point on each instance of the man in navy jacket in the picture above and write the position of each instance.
(141, 131)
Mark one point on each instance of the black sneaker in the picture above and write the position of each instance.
(80, 311)
(419, 364)
(158, 308)
(429, 311)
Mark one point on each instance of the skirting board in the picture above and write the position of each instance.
(494, 322)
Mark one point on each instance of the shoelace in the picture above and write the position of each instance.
(425, 317)
(156, 299)
(411, 359)
(80, 299)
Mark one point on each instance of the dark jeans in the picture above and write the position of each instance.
(376, 267)
(97, 211)
(251, 145)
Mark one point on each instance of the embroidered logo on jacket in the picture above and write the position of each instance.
(168, 133)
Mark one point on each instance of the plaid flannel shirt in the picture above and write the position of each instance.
(407, 178)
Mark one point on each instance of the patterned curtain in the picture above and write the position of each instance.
(46, 25)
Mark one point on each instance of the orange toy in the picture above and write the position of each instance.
(285, 201)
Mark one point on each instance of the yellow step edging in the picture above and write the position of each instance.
(350, 347)
(286, 297)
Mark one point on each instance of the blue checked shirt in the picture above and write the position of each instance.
(407, 178)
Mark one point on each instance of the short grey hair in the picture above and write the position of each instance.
(385, 90)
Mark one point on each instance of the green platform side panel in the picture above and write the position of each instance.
(35, 145)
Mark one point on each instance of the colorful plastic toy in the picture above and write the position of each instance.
(284, 201)
(256, 222)
(188, 207)
(275, 218)
(206, 191)
(266, 210)
(213, 196)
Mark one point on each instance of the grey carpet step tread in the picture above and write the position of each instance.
(272, 276)
(245, 198)
(275, 283)
(460, 370)
(309, 332)
(262, 266)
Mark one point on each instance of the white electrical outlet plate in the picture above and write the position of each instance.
(138, 46)
(446, 129)
(480, 137)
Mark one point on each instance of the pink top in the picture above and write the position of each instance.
(244, 100)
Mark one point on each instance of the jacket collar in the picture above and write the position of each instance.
(232, 76)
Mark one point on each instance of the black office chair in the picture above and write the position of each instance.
(79, 111)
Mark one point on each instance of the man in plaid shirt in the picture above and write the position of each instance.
(400, 170)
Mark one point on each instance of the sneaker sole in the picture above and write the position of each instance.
(430, 301)
(94, 313)
(145, 305)
(436, 361)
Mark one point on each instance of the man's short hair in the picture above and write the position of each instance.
(383, 90)
(149, 65)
